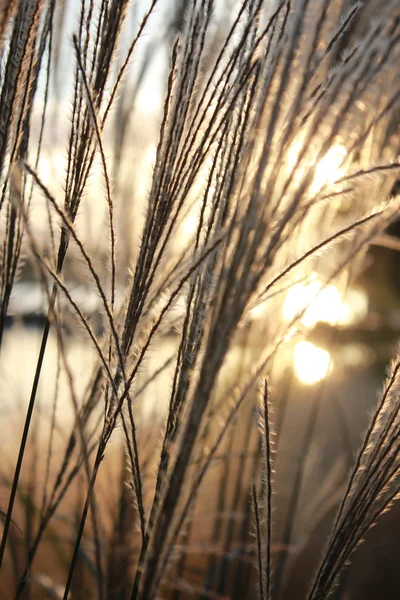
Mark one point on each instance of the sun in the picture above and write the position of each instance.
(311, 364)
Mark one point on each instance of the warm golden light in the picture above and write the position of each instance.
(311, 364)
(318, 303)
(187, 228)
(327, 170)
(190, 225)
(326, 304)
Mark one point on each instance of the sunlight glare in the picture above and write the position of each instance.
(328, 169)
(324, 304)
(190, 225)
(311, 364)
(318, 303)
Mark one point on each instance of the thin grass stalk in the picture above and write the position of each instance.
(261, 566)
(27, 423)
(51, 435)
(23, 30)
(82, 522)
(105, 170)
(121, 551)
(109, 427)
(339, 520)
(134, 453)
(8, 7)
(243, 575)
(298, 481)
(240, 396)
(16, 136)
(217, 565)
(85, 452)
(267, 486)
(236, 499)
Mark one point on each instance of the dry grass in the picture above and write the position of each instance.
(251, 111)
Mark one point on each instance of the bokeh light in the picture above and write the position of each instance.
(317, 303)
(327, 170)
(311, 364)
